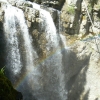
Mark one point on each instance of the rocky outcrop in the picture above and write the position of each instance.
(7, 92)
(81, 17)
(83, 70)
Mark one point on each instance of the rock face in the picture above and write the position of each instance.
(2, 42)
(83, 70)
(83, 59)
(81, 17)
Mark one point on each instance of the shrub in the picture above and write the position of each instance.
(71, 10)
(2, 70)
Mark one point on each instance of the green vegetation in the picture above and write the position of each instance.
(2, 70)
(71, 10)
(7, 92)
(89, 8)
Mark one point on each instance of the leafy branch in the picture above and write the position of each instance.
(2, 70)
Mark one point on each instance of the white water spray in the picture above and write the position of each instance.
(50, 29)
(55, 62)
(4, 1)
(15, 31)
(46, 81)
(13, 54)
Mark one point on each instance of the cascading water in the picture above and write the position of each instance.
(54, 63)
(55, 85)
(13, 53)
(19, 48)
(45, 81)
(5, 1)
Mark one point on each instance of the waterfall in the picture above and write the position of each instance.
(13, 54)
(47, 80)
(54, 84)
(18, 43)
(54, 63)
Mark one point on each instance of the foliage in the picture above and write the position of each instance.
(89, 8)
(71, 10)
(7, 92)
(2, 70)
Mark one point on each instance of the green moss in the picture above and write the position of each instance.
(7, 92)
(89, 8)
(2, 71)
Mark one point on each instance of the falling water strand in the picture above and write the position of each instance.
(13, 54)
(50, 29)
(15, 27)
(63, 45)
(30, 52)
(20, 51)
(27, 41)
(54, 64)
(56, 61)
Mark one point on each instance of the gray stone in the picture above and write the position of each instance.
(84, 69)
(33, 19)
(39, 20)
(28, 23)
(29, 18)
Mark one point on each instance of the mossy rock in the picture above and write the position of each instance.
(7, 92)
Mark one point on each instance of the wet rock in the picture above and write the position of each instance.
(28, 23)
(31, 14)
(80, 14)
(29, 18)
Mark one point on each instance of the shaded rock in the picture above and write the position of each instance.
(7, 92)
(84, 71)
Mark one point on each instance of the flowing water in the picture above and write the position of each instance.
(18, 43)
(46, 81)
(55, 89)
(13, 53)
(5, 1)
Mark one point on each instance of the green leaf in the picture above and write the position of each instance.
(2, 70)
